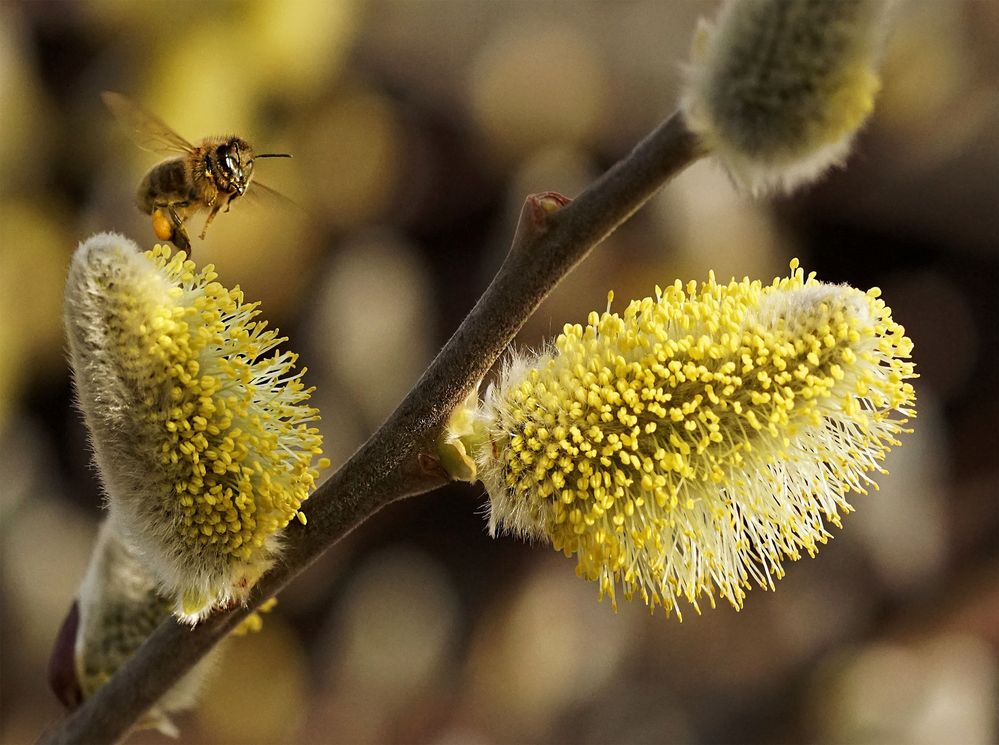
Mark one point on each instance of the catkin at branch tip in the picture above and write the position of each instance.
(777, 89)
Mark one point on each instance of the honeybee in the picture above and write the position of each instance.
(207, 176)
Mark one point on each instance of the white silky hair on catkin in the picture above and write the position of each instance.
(778, 89)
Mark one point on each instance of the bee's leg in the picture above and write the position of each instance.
(179, 237)
(208, 220)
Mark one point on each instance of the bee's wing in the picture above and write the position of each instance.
(147, 130)
(261, 191)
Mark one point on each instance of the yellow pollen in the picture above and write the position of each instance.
(226, 416)
(705, 434)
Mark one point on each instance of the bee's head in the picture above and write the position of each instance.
(231, 165)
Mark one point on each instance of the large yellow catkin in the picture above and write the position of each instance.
(200, 427)
(777, 89)
(687, 447)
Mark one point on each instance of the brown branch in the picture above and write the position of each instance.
(552, 237)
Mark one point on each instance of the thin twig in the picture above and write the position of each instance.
(552, 238)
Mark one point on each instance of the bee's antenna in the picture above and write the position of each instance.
(273, 155)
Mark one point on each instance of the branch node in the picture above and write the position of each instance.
(536, 217)
(548, 201)
(431, 466)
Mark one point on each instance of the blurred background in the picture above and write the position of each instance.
(417, 130)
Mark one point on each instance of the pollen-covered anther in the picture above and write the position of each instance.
(200, 426)
(688, 446)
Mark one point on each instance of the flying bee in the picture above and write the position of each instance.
(207, 176)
